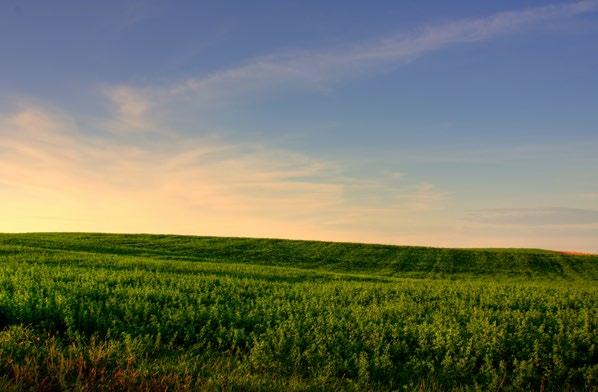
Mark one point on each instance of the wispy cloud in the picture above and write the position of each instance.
(556, 216)
(57, 175)
(320, 69)
(50, 168)
(132, 111)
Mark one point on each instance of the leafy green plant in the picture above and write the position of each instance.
(121, 312)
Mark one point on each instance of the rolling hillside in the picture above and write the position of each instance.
(153, 312)
(386, 260)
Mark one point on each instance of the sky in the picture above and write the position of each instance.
(461, 124)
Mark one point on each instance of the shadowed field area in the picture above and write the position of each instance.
(152, 312)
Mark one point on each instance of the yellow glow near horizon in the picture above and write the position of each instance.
(53, 177)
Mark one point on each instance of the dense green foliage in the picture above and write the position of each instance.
(120, 312)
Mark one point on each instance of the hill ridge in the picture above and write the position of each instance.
(379, 259)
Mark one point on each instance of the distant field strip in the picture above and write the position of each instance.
(142, 312)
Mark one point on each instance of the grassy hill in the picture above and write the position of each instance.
(384, 260)
(153, 312)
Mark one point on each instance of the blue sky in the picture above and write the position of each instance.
(432, 123)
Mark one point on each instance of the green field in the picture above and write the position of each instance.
(145, 312)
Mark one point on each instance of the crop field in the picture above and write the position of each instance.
(148, 312)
